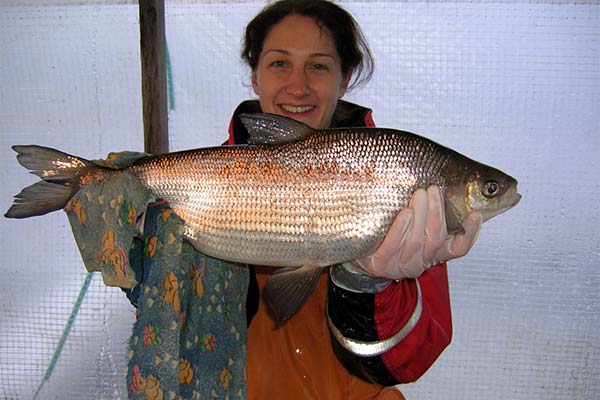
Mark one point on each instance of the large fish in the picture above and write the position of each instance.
(295, 197)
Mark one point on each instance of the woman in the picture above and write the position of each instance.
(190, 336)
(303, 56)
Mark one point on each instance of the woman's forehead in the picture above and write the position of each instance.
(297, 34)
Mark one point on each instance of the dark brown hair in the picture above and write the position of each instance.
(349, 40)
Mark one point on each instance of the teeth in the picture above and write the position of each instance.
(296, 109)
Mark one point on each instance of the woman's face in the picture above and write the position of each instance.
(299, 72)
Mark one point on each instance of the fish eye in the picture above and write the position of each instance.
(490, 189)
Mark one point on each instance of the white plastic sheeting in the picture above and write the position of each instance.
(515, 84)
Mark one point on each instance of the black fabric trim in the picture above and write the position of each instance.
(349, 115)
(253, 297)
(368, 369)
(353, 314)
(240, 134)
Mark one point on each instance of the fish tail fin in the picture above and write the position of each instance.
(59, 172)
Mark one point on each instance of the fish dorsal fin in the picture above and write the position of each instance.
(289, 288)
(274, 129)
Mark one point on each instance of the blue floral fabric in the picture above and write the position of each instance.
(189, 341)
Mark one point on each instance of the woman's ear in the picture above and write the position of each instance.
(344, 84)
(255, 83)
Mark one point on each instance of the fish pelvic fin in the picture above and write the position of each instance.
(59, 172)
(289, 288)
(267, 129)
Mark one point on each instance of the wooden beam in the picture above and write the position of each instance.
(154, 76)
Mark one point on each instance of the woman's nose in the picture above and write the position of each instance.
(297, 84)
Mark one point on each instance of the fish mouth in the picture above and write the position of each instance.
(505, 205)
(510, 205)
(515, 201)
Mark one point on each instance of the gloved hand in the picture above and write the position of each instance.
(418, 239)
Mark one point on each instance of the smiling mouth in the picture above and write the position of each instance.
(296, 109)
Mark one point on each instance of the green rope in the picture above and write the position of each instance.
(66, 330)
(170, 90)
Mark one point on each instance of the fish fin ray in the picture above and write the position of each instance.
(289, 288)
(39, 199)
(274, 129)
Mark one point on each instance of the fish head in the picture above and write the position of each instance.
(478, 187)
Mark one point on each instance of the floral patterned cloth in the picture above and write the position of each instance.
(189, 341)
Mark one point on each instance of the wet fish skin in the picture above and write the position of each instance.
(296, 198)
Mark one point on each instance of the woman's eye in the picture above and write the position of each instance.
(319, 67)
(278, 64)
(490, 189)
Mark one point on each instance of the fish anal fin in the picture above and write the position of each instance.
(289, 288)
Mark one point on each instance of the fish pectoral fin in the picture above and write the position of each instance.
(274, 129)
(453, 224)
(289, 288)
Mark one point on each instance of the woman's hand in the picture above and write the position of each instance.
(418, 239)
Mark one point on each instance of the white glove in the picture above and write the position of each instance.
(418, 239)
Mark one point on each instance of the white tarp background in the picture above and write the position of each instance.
(515, 84)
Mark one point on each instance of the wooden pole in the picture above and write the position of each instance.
(154, 76)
